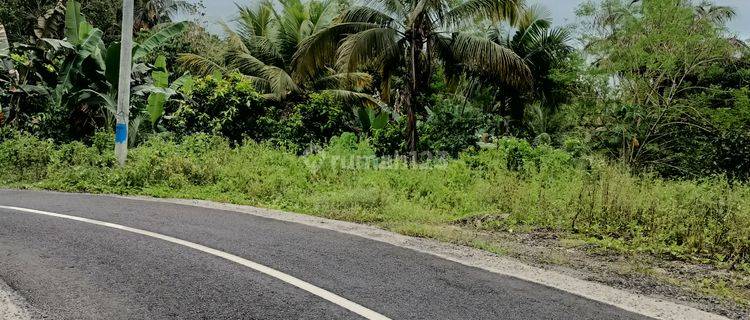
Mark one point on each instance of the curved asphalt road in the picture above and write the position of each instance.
(74, 270)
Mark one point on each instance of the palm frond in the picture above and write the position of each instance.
(353, 98)
(389, 60)
(256, 21)
(396, 8)
(240, 57)
(4, 45)
(555, 41)
(255, 29)
(494, 10)
(353, 81)
(321, 14)
(363, 46)
(319, 49)
(280, 83)
(534, 15)
(199, 65)
(293, 28)
(538, 38)
(245, 62)
(452, 68)
(715, 14)
(482, 56)
(264, 49)
(366, 14)
(261, 84)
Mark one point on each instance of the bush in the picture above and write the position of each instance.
(318, 119)
(230, 107)
(510, 187)
(450, 129)
(391, 139)
(24, 157)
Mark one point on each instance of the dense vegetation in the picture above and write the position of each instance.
(514, 187)
(402, 113)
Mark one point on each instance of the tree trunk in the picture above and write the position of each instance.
(411, 115)
(411, 130)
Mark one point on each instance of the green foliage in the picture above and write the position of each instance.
(24, 157)
(22, 18)
(450, 128)
(657, 49)
(230, 107)
(75, 25)
(546, 50)
(149, 13)
(196, 39)
(511, 186)
(722, 146)
(158, 38)
(402, 40)
(70, 84)
(263, 46)
(317, 119)
(160, 91)
(390, 140)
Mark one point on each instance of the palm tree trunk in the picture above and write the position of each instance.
(411, 116)
(411, 130)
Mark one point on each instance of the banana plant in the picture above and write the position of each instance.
(371, 119)
(79, 70)
(20, 76)
(96, 66)
(160, 91)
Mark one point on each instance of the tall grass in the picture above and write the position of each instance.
(511, 187)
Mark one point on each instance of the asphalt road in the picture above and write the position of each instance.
(69, 269)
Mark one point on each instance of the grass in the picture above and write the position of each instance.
(511, 188)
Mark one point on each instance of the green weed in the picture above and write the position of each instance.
(513, 187)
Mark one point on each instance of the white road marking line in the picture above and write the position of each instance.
(320, 292)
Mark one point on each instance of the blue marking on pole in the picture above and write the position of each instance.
(121, 133)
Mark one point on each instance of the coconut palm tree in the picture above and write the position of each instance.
(263, 45)
(716, 14)
(149, 13)
(406, 39)
(542, 48)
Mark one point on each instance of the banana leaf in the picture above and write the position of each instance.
(158, 39)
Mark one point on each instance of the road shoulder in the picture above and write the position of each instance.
(12, 305)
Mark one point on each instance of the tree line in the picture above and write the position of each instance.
(659, 85)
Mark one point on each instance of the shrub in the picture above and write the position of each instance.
(450, 129)
(391, 139)
(230, 107)
(24, 157)
(318, 119)
(510, 187)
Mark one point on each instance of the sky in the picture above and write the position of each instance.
(563, 11)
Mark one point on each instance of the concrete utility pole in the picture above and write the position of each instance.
(123, 88)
